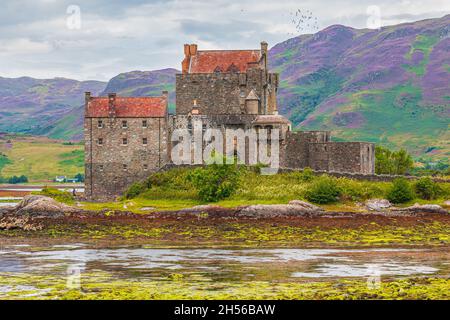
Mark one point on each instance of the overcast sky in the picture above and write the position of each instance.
(87, 39)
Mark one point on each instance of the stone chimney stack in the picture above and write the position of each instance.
(264, 51)
(189, 51)
(112, 105)
(165, 95)
(87, 98)
(193, 49)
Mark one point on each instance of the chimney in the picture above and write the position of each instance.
(111, 105)
(193, 49)
(187, 59)
(264, 49)
(87, 98)
(186, 50)
(165, 95)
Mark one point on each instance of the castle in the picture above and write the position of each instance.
(127, 138)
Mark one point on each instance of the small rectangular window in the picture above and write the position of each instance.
(125, 167)
(100, 141)
(144, 124)
(124, 141)
(145, 167)
(124, 124)
(100, 123)
(100, 167)
(144, 141)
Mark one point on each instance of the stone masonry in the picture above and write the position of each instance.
(122, 145)
(127, 138)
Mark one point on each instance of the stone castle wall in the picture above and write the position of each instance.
(315, 150)
(342, 157)
(113, 166)
(223, 93)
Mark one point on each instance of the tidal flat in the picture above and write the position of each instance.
(358, 257)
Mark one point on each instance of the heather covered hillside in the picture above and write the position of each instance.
(44, 106)
(388, 86)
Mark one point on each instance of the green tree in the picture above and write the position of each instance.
(79, 177)
(392, 162)
(403, 162)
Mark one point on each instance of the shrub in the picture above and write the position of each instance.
(216, 181)
(427, 189)
(307, 175)
(323, 190)
(400, 191)
(134, 190)
(16, 179)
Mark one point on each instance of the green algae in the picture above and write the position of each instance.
(101, 286)
(249, 233)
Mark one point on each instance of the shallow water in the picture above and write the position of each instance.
(8, 204)
(220, 264)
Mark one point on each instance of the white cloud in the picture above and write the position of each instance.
(22, 46)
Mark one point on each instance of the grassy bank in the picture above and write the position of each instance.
(174, 190)
(40, 159)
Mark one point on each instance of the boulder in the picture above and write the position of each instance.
(447, 203)
(377, 204)
(305, 205)
(424, 208)
(279, 210)
(41, 206)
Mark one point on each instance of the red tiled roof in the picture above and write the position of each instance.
(128, 107)
(223, 60)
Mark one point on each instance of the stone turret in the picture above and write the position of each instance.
(252, 103)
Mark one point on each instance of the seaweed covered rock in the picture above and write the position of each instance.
(23, 223)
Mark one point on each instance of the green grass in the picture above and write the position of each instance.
(425, 45)
(65, 129)
(73, 158)
(41, 159)
(312, 90)
(4, 161)
(173, 191)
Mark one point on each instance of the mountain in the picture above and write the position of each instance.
(44, 107)
(144, 83)
(389, 86)
(54, 107)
